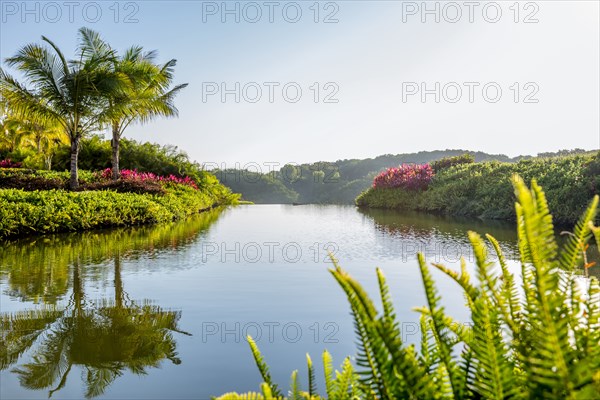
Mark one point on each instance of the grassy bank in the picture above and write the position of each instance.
(103, 204)
(484, 189)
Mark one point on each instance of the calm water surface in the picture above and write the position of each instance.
(162, 312)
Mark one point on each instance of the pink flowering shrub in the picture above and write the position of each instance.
(134, 175)
(406, 176)
(9, 164)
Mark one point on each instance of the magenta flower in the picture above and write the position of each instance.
(406, 176)
(9, 164)
(128, 174)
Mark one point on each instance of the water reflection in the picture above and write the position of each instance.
(104, 337)
(444, 239)
(37, 268)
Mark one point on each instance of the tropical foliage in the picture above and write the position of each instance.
(162, 160)
(72, 98)
(533, 335)
(149, 96)
(72, 94)
(484, 189)
(32, 142)
(448, 162)
(24, 212)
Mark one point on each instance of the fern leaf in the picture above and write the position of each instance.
(312, 383)
(263, 368)
(571, 253)
(294, 387)
(439, 328)
(328, 372)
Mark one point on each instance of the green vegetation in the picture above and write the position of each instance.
(483, 189)
(69, 99)
(448, 162)
(49, 120)
(339, 182)
(56, 210)
(532, 336)
(37, 268)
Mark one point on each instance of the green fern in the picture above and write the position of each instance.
(263, 368)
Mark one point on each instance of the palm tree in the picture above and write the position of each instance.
(13, 135)
(72, 94)
(149, 95)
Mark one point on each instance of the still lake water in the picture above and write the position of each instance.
(161, 312)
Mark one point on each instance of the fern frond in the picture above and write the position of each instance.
(440, 332)
(463, 279)
(509, 289)
(328, 372)
(571, 253)
(294, 387)
(371, 352)
(263, 368)
(386, 300)
(596, 232)
(312, 384)
(345, 382)
(244, 396)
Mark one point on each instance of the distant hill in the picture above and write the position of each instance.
(337, 182)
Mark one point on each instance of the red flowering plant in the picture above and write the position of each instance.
(9, 164)
(406, 176)
(134, 175)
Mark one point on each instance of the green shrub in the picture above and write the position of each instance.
(95, 155)
(543, 343)
(448, 162)
(23, 212)
(484, 189)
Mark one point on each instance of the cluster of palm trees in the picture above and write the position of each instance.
(20, 134)
(97, 89)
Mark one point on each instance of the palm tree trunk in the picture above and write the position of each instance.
(74, 182)
(115, 152)
(119, 294)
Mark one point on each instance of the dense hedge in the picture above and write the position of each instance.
(484, 189)
(28, 212)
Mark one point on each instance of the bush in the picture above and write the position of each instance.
(448, 162)
(37, 201)
(134, 175)
(406, 176)
(95, 155)
(130, 182)
(127, 202)
(126, 186)
(543, 343)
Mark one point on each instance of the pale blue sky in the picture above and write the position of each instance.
(376, 49)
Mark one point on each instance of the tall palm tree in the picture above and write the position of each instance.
(72, 94)
(149, 95)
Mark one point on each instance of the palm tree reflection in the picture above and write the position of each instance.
(103, 338)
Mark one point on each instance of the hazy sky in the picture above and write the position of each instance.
(513, 79)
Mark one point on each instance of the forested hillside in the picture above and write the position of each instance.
(338, 182)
